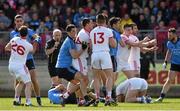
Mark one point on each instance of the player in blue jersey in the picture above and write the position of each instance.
(173, 53)
(54, 94)
(33, 38)
(64, 66)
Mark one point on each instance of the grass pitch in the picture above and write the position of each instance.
(168, 104)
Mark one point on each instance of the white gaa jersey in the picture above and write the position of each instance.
(19, 50)
(123, 52)
(83, 35)
(100, 38)
(135, 51)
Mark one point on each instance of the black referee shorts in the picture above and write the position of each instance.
(175, 67)
(52, 70)
(66, 73)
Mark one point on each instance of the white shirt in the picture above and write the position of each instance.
(83, 35)
(135, 51)
(123, 52)
(19, 50)
(100, 38)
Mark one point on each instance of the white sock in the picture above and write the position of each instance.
(66, 95)
(16, 99)
(28, 101)
(109, 94)
(139, 99)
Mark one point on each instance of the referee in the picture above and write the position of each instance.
(52, 51)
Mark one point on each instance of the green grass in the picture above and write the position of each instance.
(168, 104)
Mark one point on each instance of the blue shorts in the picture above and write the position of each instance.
(54, 96)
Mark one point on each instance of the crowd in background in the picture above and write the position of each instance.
(45, 15)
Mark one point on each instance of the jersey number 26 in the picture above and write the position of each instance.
(18, 48)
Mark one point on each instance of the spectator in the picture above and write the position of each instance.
(35, 22)
(41, 29)
(161, 35)
(79, 16)
(48, 23)
(125, 20)
(152, 22)
(111, 9)
(143, 23)
(9, 12)
(4, 19)
(43, 11)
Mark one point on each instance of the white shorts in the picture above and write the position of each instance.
(123, 66)
(137, 84)
(20, 72)
(135, 65)
(80, 64)
(101, 60)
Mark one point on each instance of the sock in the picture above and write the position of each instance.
(86, 98)
(97, 95)
(66, 95)
(162, 95)
(28, 101)
(38, 97)
(109, 94)
(16, 99)
(139, 99)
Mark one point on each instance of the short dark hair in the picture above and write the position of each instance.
(100, 18)
(133, 25)
(23, 30)
(127, 26)
(113, 20)
(173, 30)
(70, 27)
(85, 21)
(18, 16)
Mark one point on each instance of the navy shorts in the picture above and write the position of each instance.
(175, 67)
(30, 64)
(114, 63)
(66, 73)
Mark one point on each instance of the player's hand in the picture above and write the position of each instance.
(164, 65)
(84, 45)
(146, 39)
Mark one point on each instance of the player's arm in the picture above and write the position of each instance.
(167, 57)
(75, 54)
(8, 47)
(49, 49)
(145, 49)
(112, 42)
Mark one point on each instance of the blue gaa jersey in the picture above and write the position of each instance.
(64, 59)
(29, 38)
(174, 48)
(117, 36)
(54, 96)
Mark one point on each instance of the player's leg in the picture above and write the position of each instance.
(131, 96)
(54, 77)
(18, 90)
(120, 98)
(31, 67)
(167, 85)
(106, 65)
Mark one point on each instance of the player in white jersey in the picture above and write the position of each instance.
(133, 90)
(124, 52)
(101, 38)
(81, 63)
(19, 48)
(134, 56)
